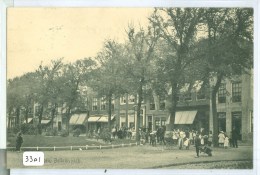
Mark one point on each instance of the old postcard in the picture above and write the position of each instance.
(130, 88)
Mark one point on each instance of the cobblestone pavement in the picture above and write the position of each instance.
(136, 157)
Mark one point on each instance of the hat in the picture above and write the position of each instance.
(222, 131)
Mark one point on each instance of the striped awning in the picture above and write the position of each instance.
(28, 120)
(185, 117)
(78, 119)
(45, 121)
(104, 118)
(93, 118)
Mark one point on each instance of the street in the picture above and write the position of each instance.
(136, 157)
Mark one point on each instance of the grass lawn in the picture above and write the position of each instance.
(44, 141)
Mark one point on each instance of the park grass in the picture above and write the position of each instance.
(44, 141)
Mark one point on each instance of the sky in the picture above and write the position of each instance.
(39, 35)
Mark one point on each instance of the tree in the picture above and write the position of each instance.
(20, 96)
(108, 79)
(178, 27)
(74, 75)
(140, 49)
(227, 51)
(46, 89)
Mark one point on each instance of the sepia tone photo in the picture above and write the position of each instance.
(130, 88)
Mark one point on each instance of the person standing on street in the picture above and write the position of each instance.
(235, 136)
(19, 141)
(197, 144)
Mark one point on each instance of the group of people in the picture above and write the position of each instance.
(225, 141)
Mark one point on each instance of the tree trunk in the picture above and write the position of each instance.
(109, 111)
(53, 114)
(214, 109)
(26, 114)
(173, 104)
(126, 110)
(9, 117)
(17, 121)
(140, 99)
(40, 120)
(68, 119)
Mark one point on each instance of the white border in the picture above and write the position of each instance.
(129, 3)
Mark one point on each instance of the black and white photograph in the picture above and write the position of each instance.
(130, 88)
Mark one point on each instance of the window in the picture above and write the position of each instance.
(131, 99)
(222, 121)
(187, 96)
(157, 124)
(201, 94)
(131, 124)
(236, 92)
(123, 100)
(163, 121)
(162, 103)
(152, 104)
(222, 93)
(160, 122)
(150, 123)
(103, 104)
(123, 124)
(94, 104)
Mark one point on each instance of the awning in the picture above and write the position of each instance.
(78, 119)
(104, 118)
(45, 121)
(29, 120)
(93, 118)
(185, 117)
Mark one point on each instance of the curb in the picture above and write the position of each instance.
(198, 162)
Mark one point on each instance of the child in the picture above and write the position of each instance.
(226, 142)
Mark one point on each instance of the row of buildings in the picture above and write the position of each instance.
(234, 109)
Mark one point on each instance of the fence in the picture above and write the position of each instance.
(71, 148)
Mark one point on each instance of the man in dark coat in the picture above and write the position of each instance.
(197, 144)
(235, 136)
(19, 141)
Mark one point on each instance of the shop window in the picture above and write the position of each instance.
(236, 92)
